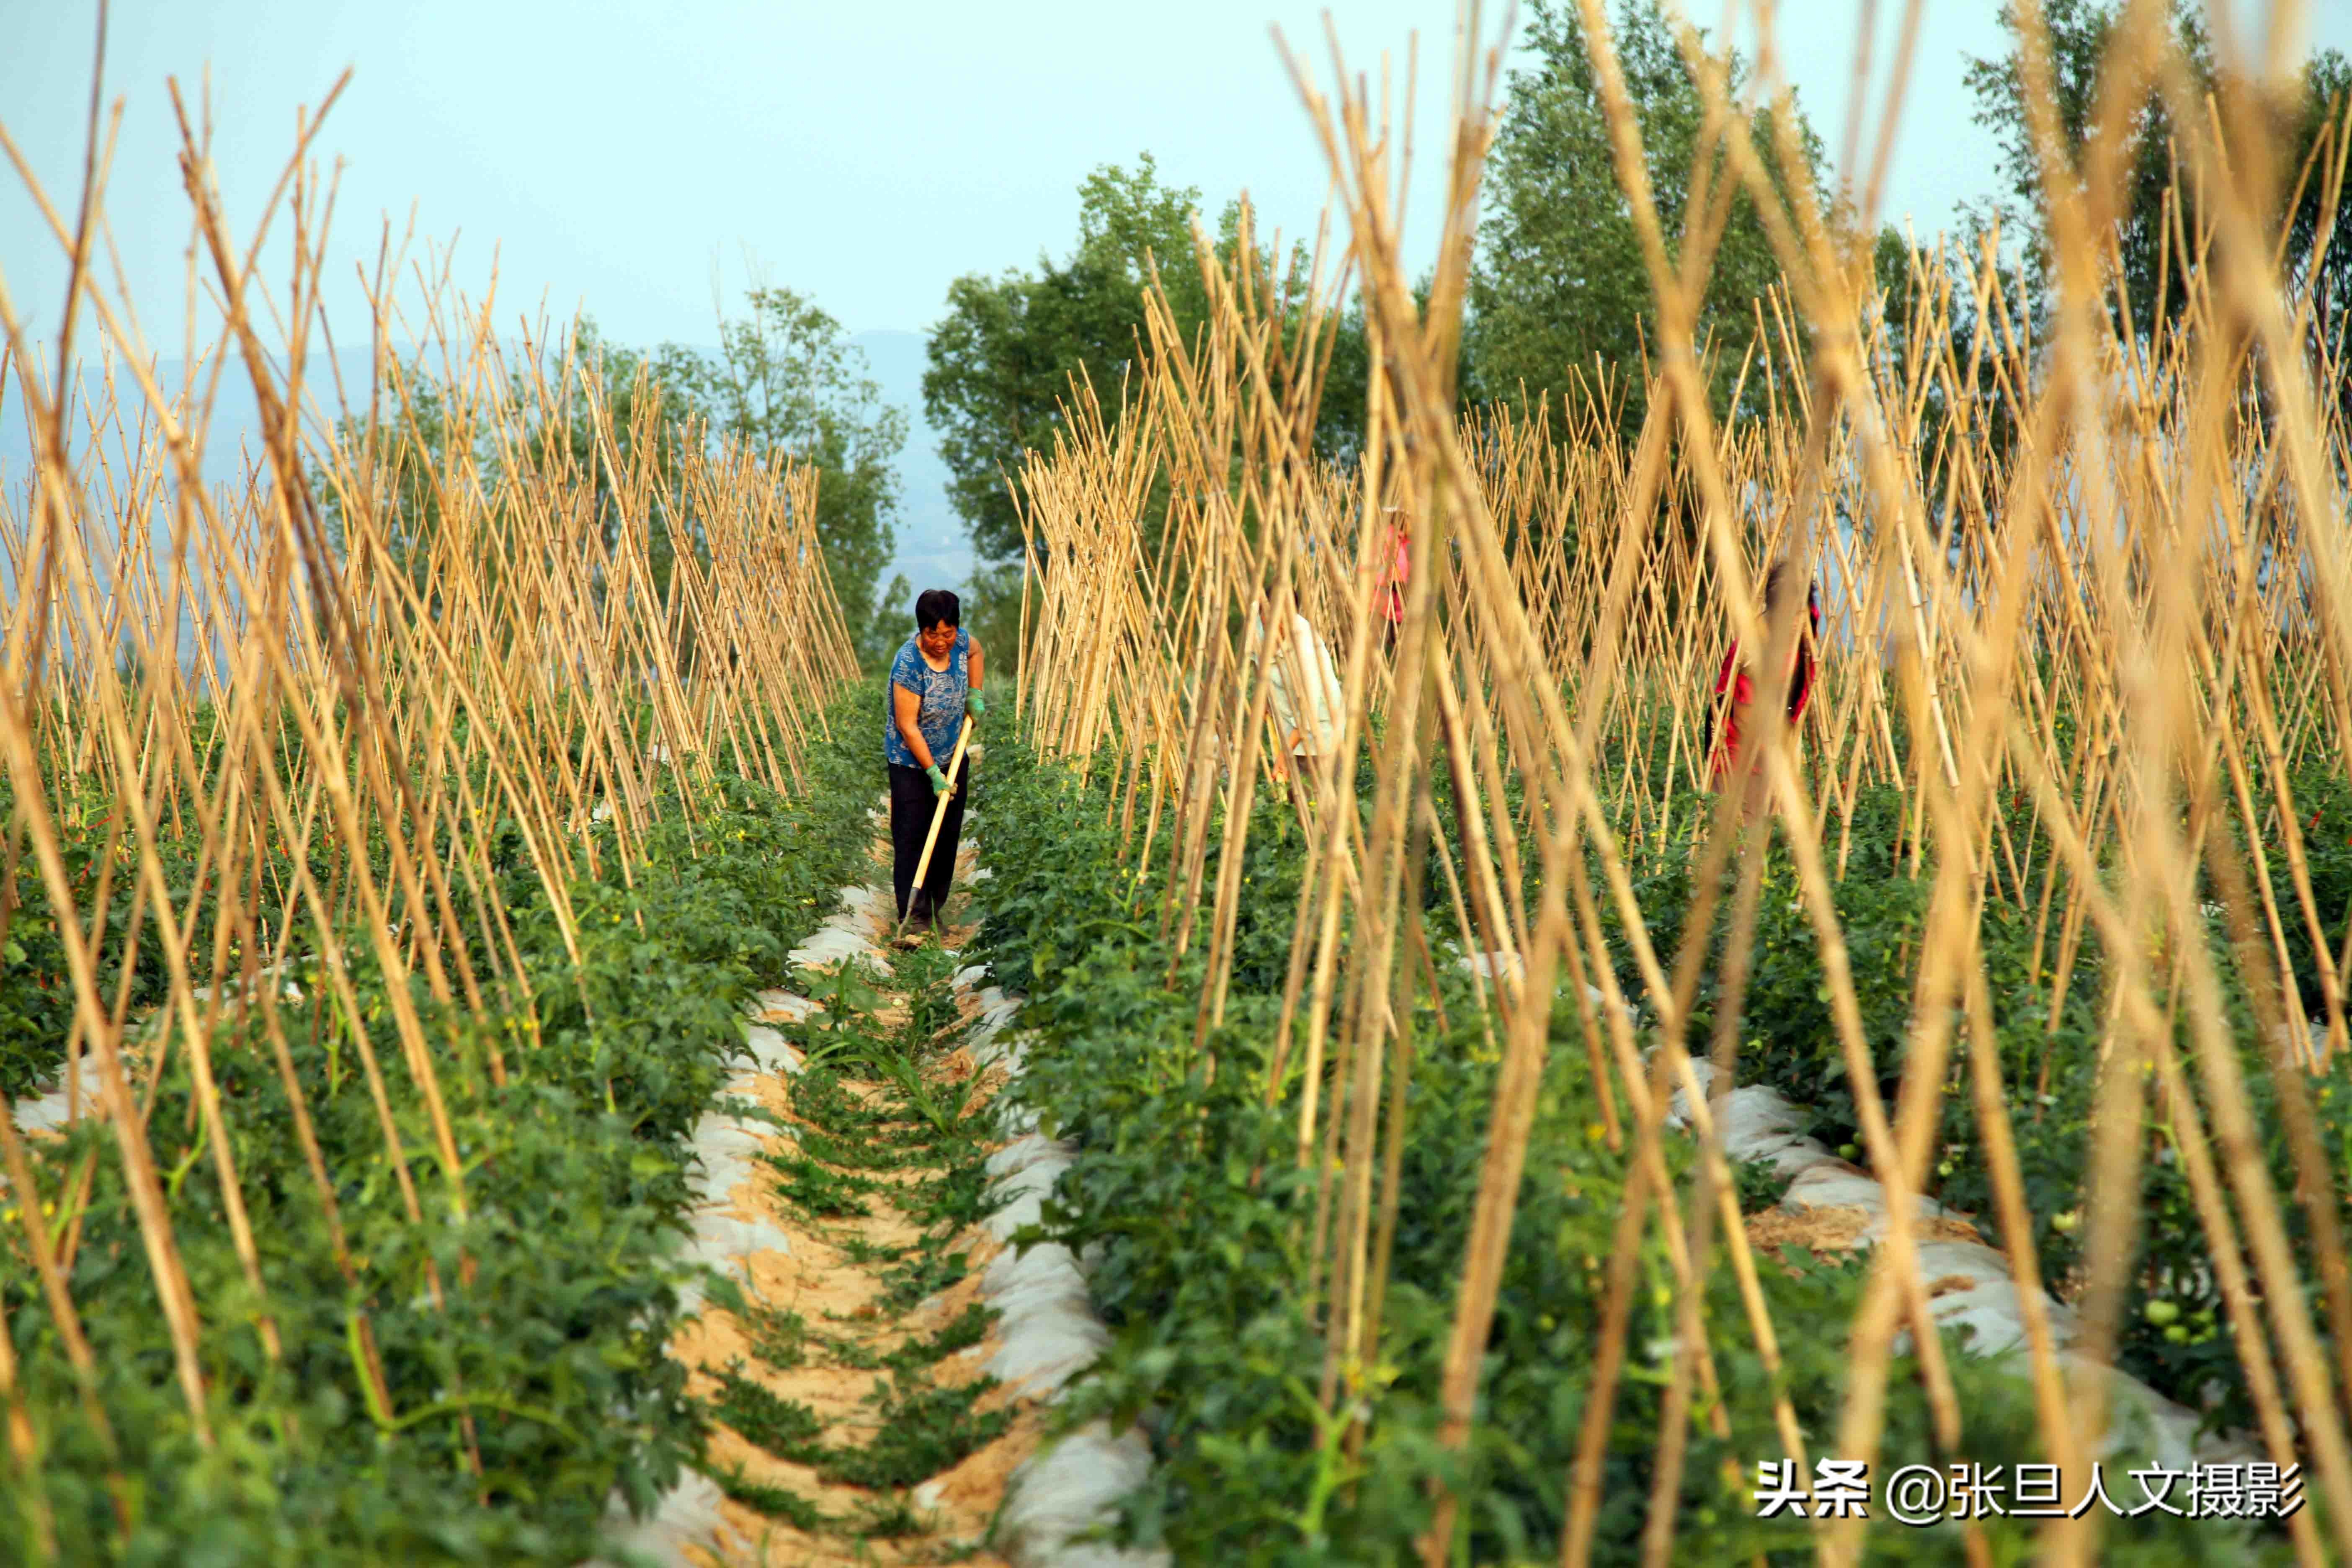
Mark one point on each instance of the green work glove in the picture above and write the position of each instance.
(977, 704)
(938, 778)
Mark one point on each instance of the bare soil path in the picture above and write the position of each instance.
(854, 1422)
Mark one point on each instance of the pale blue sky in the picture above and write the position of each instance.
(864, 153)
(613, 150)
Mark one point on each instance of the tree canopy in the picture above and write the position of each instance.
(1003, 356)
(786, 379)
(1561, 287)
(2080, 33)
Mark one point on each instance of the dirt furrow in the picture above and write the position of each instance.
(854, 1422)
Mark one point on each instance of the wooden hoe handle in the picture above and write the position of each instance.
(939, 820)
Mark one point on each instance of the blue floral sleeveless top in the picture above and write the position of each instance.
(942, 693)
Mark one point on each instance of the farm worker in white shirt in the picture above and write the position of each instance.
(1307, 694)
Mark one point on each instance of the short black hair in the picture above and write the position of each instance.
(933, 606)
(1777, 579)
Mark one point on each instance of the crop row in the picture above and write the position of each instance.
(1208, 1225)
(472, 1388)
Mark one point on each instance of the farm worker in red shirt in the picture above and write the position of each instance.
(1394, 574)
(1735, 683)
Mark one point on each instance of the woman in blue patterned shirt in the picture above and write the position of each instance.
(934, 682)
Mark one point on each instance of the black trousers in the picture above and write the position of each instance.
(912, 802)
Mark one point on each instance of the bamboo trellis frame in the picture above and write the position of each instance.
(2137, 622)
(328, 685)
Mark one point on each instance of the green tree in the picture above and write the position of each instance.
(1560, 286)
(2080, 32)
(1002, 358)
(785, 379)
(788, 379)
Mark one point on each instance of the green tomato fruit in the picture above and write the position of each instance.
(2160, 1313)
